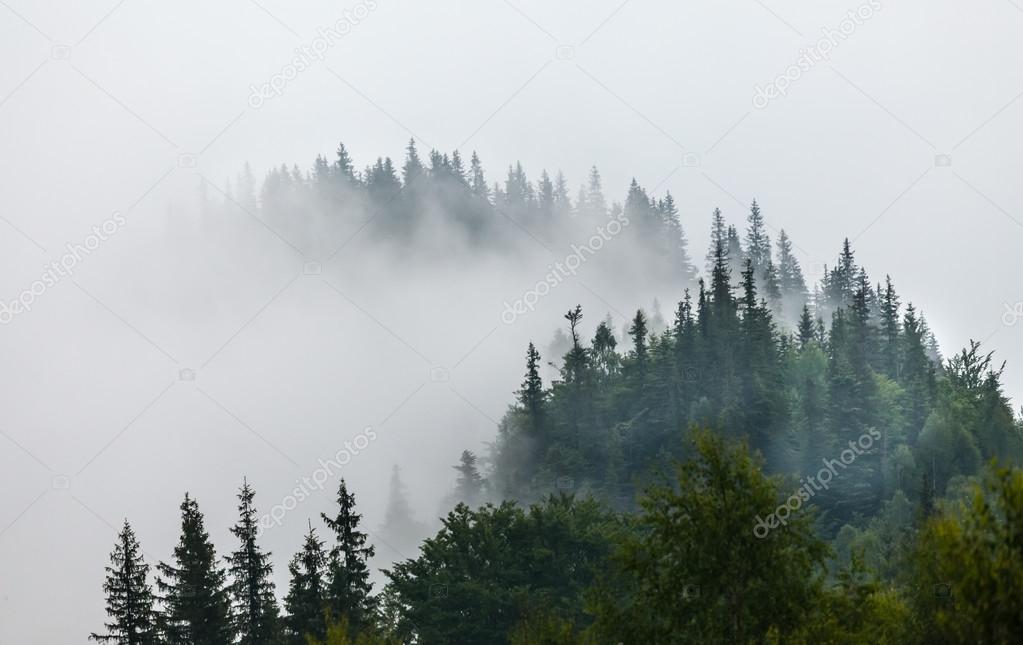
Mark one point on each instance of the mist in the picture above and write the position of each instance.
(199, 339)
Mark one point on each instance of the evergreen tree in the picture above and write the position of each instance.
(344, 167)
(400, 529)
(306, 598)
(196, 606)
(477, 181)
(531, 396)
(129, 597)
(807, 330)
(348, 592)
(413, 167)
(469, 485)
(718, 238)
(254, 604)
(758, 242)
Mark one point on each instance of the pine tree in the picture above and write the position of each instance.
(413, 167)
(758, 242)
(400, 529)
(807, 330)
(638, 332)
(477, 181)
(306, 599)
(129, 597)
(891, 350)
(196, 607)
(679, 263)
(348, 586)
(594, 196)
(545, 194)
(255, 611)
(344, 167)
(531, 395)
(469, 485)
(718, 238)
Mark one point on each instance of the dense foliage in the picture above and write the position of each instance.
(783, 462)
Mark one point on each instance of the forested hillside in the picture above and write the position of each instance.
(781, 462)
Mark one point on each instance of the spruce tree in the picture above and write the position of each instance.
(469, 485)
(718, 238)
(254, 606)
(531, 396)
(196, 607)
(400, 529)
(477, 181)
(758, 242)
(413, 167)
(306, 598)
(349, 590)
(129, 597)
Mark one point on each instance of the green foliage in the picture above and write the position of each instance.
(489, 568)
(695, 571)
(968, 566)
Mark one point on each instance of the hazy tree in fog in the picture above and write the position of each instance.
(469, 483)
(400, 530)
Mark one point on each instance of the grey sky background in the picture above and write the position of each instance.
(906, 141)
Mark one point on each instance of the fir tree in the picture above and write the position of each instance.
(349, 589)
(129, 597)
(196, 607)
(254, 605)
(306, 598)
(477, 180)
(758, 242)
(531, 395)
(469, 485)
(400, 529)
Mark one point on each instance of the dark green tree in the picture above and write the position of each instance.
(254, 605)
(306, 599)
(349, 590)
(129, 597)
(196, 605)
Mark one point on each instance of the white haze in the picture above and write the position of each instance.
(92, 383)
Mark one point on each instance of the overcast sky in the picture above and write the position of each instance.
(904, 138)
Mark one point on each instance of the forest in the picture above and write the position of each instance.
(781, 460)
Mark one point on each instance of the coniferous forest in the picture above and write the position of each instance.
(777, 460)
